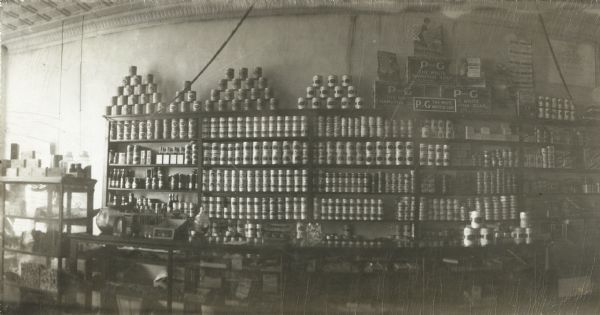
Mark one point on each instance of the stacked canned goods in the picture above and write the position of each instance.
(255, 180)
(546, 135)
(439, 129)
(496, 182)
(501, 207)
(135, 96)
(334, 240)
(353, 209)
(255, 153)
(555, 108)
(406, 207)
(155, 129)
(253, 127)
(243, 92)
(363, 182)
(495, 158)
(364, 153)
(442, 209)
(256, 208)
(439, 238)
(548, 157)
(434, 154)
(363, 126)
(405, 234)
(334, 93)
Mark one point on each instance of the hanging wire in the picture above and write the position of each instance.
(80, 80)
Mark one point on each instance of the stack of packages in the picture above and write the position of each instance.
(29, 164)
(136, 97)
(241, 93)
(331, 95)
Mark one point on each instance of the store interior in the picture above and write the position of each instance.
(308, 156)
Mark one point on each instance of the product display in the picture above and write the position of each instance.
(440, 129)
(333, 94)
(555, 108)
(257, 208)
(361, 182)
(136, 96)
(363, 153)
(255, 180)
(253, 127)
(155, 179)
(434, 154)
(363, 126)
(352, 209)
(503, 207)
(136, 155)
(548, 157)
(158, 129)
(256, 153)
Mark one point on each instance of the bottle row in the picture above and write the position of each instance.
(438, 129)
(253, 127)
(353, 209)
(548, 157)
(256, 153)
(364, 153)
(255, 180)
(454, 209)
(361, 182)
(137, 155)
(499, 158)
(363, 126)
(434, 154)
(555, 108)
(406, 207)
(265, 208)
(174, 206)
(155, 180)
(157, 129)
(538, 134)
(585, 185)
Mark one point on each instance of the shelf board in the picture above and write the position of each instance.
(250, 139)
(153, 165)
(343, 166)
(72, 219)
(465, 168)
(439, 195)
(24, 252)
(399, 194)
(155, 141)
(155, 191)
(258, 194)
(353, 139)
(469, 141)
(267, 166)
(22, 286)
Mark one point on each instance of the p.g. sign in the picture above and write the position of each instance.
(392, 94)
(427, 70)
(469, 99)
(431, 104)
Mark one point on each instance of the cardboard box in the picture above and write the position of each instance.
(12, 172)
(33, 163)
(39, 172)
(17, 163)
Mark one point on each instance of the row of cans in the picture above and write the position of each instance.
(243, 73)
(406, 207)
(238, 83)
(496, 182)
(167, 129)
(453, 209)
(363, 126)
(332, 80)
(555, 108)
(434, 154)
(496, 158)
(257, 208)
(441, 129)
(364, 153)
(362, 182)
(263, 93)
(354, 209)
(255, 180)
(331, 103)
(256, 153)
(253, 127)
(335, 92)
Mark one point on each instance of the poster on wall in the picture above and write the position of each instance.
(388, 68)
(469, 99)
(577, 62)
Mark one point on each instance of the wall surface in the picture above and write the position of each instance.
(57, 94)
